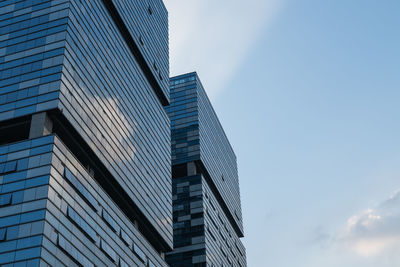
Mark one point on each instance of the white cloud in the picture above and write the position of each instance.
(213, 37)
(375, 231)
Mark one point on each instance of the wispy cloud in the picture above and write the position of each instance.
(375, 231)
(213, 37)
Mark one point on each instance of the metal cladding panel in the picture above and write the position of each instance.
(218, 156)
(107, 98)
(70, 55)
(53, 213)
(147, 22)
(89, 221)
(197, 135)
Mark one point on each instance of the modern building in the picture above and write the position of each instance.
(206, 199)
(85, 161)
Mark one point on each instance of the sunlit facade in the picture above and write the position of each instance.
(85, 160)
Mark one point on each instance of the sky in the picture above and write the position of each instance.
(308, 93)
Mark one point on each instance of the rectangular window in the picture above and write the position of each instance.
(8, 167)
(80, 222)
(151, 264)
(3, 233)
(122, 263)
(108, 250)
(73, 252)
(110, 221)
(81, 189)
(126, 238)
(5, 200)
(139, 253)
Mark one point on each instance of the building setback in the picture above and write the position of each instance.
(85, 160)
(206, 199)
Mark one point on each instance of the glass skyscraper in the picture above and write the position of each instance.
(85, 162)
(207, 218)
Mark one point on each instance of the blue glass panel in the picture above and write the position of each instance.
(139, 252)
(29, 242)
(81, 189)
(73, 252)
(27, 253)
(3, 232)
(32, 216)
(108, 250)
(110, 221)
(81, 223)
(5, 200)
(7, 257)
(42, 141)
(10, 166)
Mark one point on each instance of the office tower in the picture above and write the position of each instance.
(84, 137)
(206, 199)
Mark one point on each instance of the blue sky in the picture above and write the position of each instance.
(308, 92)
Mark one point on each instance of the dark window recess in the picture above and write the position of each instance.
(211, 234)
(155, 66)
(3, 233)
(141, 40)
(5, 200)
(112, 10)
(110, 221)
(85, 155)
(179, 171)
(8, 167)
(159, 75)
(150, 10)
(14, 130)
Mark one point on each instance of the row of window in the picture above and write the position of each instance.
(8, 167)
(220, 229)
(91, 233)
(87, 196)
(184, 80)
(73, 252)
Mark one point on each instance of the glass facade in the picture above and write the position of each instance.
(206, 198)
(85, 160)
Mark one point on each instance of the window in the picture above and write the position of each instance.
(5, 200)
(110, 221)
(81, 189)
(3, 233)
(150, 264)
(73, 252)
(108, 250)
(139, 253)
(80, 222)
(126, 238)
(8, 167)
(150, 10)
(122, 263)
